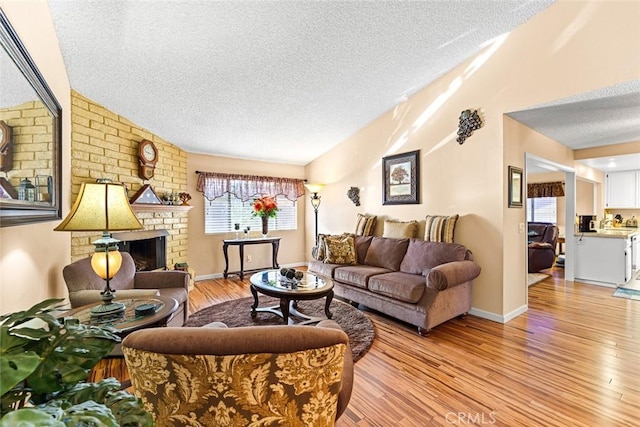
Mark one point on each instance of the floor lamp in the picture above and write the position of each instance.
(314, 189)
(103, 206)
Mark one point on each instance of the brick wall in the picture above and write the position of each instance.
(105, 145)
(31, 125)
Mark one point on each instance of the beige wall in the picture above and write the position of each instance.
(536, 63)
(205, 251)
(32, 256)
(608, 150)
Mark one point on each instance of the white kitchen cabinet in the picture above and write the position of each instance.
(622, 189)
(637, 188)
(603, 260)
(635, 252)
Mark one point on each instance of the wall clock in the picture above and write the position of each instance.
(147, 159)
(6, 149)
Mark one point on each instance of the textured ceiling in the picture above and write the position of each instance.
(607, 116)
(268, 80)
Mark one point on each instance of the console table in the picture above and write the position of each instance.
(240, 243)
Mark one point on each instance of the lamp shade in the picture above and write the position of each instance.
(314, 188)
(100, 206)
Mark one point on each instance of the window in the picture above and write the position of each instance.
(229, 201)
(542, 209)
(222, 213)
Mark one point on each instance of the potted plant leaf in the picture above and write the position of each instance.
(44, 364)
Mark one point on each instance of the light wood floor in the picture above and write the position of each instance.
(571, 360)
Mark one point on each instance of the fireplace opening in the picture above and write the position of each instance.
(147, 248)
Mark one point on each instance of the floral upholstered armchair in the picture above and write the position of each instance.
(267, 375)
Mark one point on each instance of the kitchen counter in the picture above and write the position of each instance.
(619, 233)
(607, 256)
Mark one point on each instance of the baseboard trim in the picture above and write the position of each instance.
(497, 317)
(220, 275)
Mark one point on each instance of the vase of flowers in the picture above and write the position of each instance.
(265, 207)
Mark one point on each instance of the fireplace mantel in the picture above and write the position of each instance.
(142, 207)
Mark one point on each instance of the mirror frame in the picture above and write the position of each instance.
(20, 212)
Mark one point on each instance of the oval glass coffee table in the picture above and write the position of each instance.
(273, 284)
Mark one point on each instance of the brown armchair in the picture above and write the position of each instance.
(543, 238)
(85, 286)
(266, 375)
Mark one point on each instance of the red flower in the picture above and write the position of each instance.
(265, 206)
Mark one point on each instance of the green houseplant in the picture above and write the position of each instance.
(44, 364)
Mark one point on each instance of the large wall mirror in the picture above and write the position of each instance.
(30, 137)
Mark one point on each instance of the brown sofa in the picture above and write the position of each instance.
(422, 283)
(542, 238)
(85, 286)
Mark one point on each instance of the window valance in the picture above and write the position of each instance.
(246, 187)
(545, 189)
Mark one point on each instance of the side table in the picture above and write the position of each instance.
(127, 322)
(241, 243)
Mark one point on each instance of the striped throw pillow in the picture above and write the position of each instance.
(365, 225)
(440, 228)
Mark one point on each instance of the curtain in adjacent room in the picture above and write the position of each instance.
(245, 187)
(545, 189)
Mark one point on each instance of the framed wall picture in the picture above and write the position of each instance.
(401, 179)
(515, 187)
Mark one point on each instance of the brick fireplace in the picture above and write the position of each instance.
(105, 145)
(148, 248)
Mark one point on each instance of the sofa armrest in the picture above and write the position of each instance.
(540, 245)
(451, 274)
(92, 296)
(161, 279)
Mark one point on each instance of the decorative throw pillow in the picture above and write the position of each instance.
(386, 253)
(340, 249)
(318, 252)
(422, 256)
(365, 225)
(440, 228)
(399, 229)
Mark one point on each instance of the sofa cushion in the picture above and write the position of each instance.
(399, 229)
(323, 269)
(440, 228)
(365, 225)
(362, 246)
(397, 285)
(357, 275)
(422, 256)
(340, 249)
(386, 253)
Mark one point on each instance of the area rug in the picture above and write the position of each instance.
(627, 293)
(533, 278)
(236, 313)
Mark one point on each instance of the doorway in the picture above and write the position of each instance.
(537, 165)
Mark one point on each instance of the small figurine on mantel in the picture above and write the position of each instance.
(184, 198)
